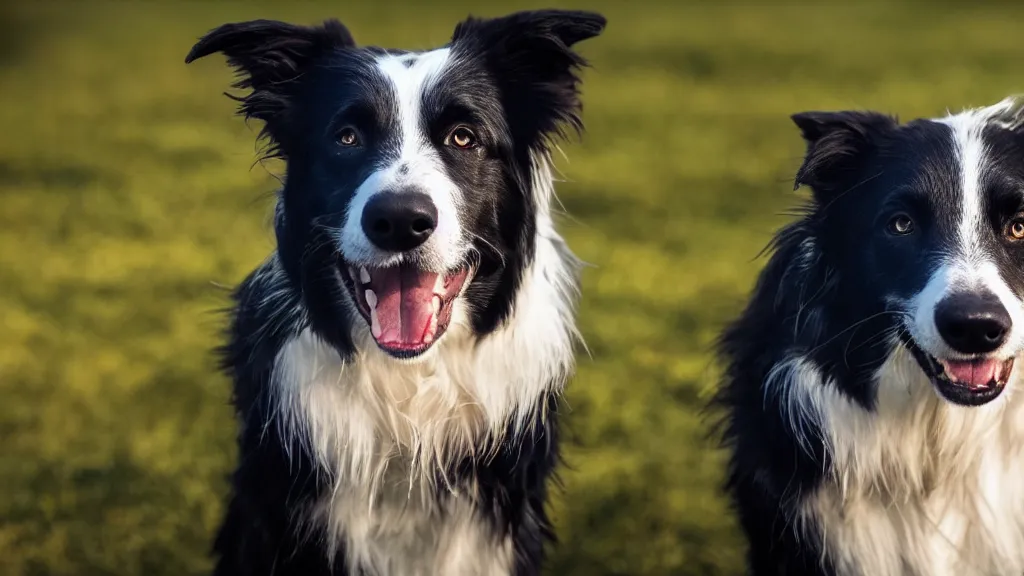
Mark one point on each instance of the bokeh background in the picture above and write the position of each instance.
(129, 200)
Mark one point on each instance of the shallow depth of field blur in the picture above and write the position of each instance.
(129, 200)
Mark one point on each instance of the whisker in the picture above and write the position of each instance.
(493, 248)
(853, 326)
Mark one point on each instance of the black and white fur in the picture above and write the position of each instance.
(853, 449)
(356, 458)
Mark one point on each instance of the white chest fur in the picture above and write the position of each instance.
(919, 486)
(384, 431)
(955, 530)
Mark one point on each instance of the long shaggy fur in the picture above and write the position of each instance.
(354, 458)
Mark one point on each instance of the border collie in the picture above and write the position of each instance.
(873, 402)
(397, 360)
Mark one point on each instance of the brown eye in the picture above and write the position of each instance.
(900, 225)
(1015, 231)
(348, 137)
(461, 137)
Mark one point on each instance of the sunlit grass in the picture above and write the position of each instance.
(130, 196)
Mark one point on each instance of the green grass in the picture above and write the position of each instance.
(129, 199)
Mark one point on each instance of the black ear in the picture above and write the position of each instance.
(269, 57)
(837, 145)
(534, 64)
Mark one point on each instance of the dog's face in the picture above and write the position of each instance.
(409, 196)
(926, 221)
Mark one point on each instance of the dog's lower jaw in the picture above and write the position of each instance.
(956, 392)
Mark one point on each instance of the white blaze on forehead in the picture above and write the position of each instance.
(971, 155)
(417, 166)
(412, 76)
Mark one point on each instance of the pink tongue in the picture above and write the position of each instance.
(404, 304)
(976, 374)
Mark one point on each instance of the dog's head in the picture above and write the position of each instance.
(410, 196)
(923, 224)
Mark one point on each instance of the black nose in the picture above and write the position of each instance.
(972, 323)
(399, 221)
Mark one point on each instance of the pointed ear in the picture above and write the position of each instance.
(837, 144)
(534, 64)
(269, 57)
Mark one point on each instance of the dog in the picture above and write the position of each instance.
(398, 359)
(871, 387)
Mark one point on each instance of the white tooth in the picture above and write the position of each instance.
(431, 329)
(352, 274)
(364, 275)
(435, 303)
(371, 299)
(374, 323)
(439, 284)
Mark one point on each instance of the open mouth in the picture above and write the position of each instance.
(408, 309)
(970, 382)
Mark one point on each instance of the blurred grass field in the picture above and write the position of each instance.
(129, 199)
